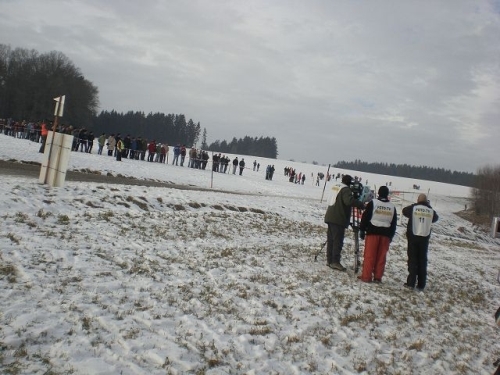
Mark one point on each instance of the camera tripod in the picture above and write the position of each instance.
(355, 221)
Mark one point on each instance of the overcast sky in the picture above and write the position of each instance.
(414, 82)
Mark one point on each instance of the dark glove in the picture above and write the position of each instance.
(362, 234)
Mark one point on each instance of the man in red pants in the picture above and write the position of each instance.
(378, 223)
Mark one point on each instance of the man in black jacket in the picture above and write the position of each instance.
(418, 232)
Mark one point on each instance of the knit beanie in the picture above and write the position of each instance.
(383, 192)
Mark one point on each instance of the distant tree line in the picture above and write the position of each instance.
(29, 81)
(171, 128)
(263, 147)
(404, 170)
(486, 194)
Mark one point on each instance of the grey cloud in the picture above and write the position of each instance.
(327, 79)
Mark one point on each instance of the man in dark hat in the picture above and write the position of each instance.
(378, 222)
(338, 217)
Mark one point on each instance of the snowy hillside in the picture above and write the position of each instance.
(119, 279)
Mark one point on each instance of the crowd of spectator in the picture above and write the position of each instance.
(118, 146)
(137, 148)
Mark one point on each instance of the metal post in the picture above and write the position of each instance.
(326, 180)
(212, 174)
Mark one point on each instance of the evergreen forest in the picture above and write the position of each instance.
(404, 170)
(263, 147)
(171, 129)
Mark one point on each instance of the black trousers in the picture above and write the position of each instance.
(417, 262)
(334, 242)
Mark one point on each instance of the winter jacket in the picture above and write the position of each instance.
(367, 226)
(102, 140)
(44, 130)
(340, 212)
(111, 142)
(412, 212)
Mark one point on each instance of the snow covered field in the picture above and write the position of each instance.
(115, 279)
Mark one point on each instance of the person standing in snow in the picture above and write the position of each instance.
(338, 217)
(242, 166)
(418, 232)
(111, 144)
(120, 146)
(235, 164)
(183, 154)
(44, 132)
(101, 141)
(378, 222)
(151, 151)
(90, 142)
(177, 151)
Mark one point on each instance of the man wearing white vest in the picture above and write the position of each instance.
(418, 232)
(378, 226)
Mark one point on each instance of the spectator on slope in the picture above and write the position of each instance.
(82, 139)
(215, 163)
(44, 131)
(158, 152)
(74, 133)
(271, 172)
(116, 141)
(192, 158)
(242, 166)
(144, 148)
(177, 151)
(254, 164)
(418, 232)
(378, 223)
(111, 144)
(151, 151)
(133, 148)
(205, 158)
(120, 146)
(90, 142)
(222, 160)
(338, 218)
(183, 154)
(127, 143)
(163, 153)
(235, 164)
(100, 142)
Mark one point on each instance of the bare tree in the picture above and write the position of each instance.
(486, 194)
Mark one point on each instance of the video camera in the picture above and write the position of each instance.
(357, 189)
